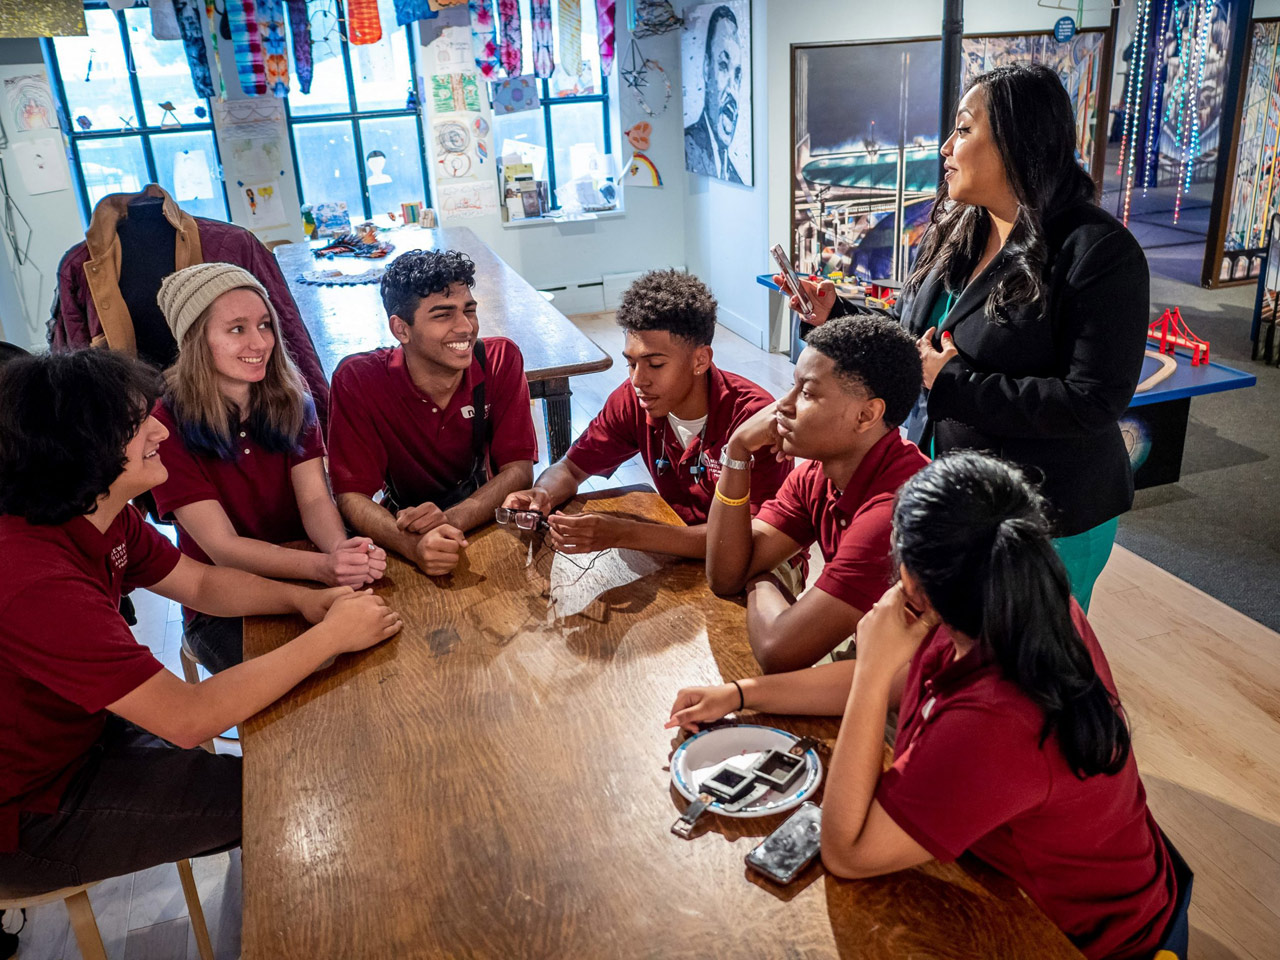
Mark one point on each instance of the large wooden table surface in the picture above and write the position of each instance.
(349, 319)
(489, 784)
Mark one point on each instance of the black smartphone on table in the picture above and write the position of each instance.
(784, 853)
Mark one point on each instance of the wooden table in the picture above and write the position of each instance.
(349, 319)
(487, 784)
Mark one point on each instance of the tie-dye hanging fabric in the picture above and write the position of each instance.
(484, 37)
(275, 53)
(544, 60)
(570, 37)
(212, 19)
(300, 27)
(407, 11)
(191, 23)
(363, 23)
(242, 17)
(604, 19)
(510, 52)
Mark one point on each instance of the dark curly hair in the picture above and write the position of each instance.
(973, 533)
(420, 273)
(874, 353)
(1034, 130)
(65, 421)
(670, 300)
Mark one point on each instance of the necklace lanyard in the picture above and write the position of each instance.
(699, 469)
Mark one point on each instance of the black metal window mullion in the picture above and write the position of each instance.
(550, 103)
(140, 120)
(417, 116)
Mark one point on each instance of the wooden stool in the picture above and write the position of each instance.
(191, 673)
(86, 927)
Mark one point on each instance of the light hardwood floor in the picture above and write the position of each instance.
(1201, 684)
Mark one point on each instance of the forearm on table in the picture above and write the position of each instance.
(237, 693)
(323, 523)
(477, 509)
(856, 763)
(728, 536)
(268, 559)
(227, 592)
(560, 481)
(644, 535)
(374, 521)
(815, 691)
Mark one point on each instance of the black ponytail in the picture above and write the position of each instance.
(973, 534)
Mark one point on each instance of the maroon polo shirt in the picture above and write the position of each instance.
(65, 651)
(623, 429)
(383, 428)
(970, 774)
(254, 488)
(850, 526)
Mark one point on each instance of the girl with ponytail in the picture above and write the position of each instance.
(1011, 742)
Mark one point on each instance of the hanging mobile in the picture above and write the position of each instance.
(635, 73)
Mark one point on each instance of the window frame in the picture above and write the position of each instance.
(353, 115)
(549, 103)
(141, 130)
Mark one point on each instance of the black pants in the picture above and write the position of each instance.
(137, 802)
(217, 642)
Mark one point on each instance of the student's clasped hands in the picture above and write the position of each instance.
(440, 543)
(355, 562)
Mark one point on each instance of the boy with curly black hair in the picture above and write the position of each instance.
(855, 383)
(439, 425)
(677, 409)
(100, 769)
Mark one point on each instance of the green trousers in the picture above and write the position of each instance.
(1084, 556)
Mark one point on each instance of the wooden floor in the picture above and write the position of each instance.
(1201, 684)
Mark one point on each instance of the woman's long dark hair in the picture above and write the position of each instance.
(1034, 129)
(973, 534)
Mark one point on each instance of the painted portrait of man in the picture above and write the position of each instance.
(717, 91)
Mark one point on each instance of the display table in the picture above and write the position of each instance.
(1155, 425)
(349, 319)
(493, 783)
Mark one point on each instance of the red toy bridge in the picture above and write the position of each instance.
(1171, 331)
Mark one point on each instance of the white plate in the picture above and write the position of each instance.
(699, 756)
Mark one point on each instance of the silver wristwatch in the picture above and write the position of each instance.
(732, 464)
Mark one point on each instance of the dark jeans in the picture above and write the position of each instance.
(138, 801)
(217, 642)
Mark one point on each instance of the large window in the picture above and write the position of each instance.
(134, 116)
(569, 137)
(357, 135)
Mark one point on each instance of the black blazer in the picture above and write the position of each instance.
(1046, 386)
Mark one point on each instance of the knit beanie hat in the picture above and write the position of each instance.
(186, 294)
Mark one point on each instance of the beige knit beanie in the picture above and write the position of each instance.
(186, 294)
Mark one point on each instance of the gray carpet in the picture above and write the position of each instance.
(1219, 526)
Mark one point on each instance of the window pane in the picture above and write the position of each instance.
(328, 74)
(162, 72)
(577, 130)
(187, 166)
(396, 177)
(327, 165)
(95, 75)
(381, 70)
(523, 136)
(587, 81)
(116, 165)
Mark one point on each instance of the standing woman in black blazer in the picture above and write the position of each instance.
(1031, 307)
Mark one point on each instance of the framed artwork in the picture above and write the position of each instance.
(1266, 309)
(1083, 63)
(1238, 239)
(864, 131)
(715, 56)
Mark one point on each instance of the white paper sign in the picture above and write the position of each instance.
(43, 165)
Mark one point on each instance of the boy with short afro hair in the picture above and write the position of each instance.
(677, 410)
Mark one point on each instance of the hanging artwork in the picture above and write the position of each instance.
(42, 164)
(509, 51)
(543, 42)
(30, 102)
(605, 10)
(300, 28)
(192, 24)
(455, 93)
(515, 95)
(50, 18)
(642, 173)
(409, 11)
(467, 200)
(164, 20)
(1266, 308)
(715, 56)
(1253, 181)
(484, 37)
(242, 18)
(364, 25)
(1078, 62)
(570, 37)
(266, 208)
(864, 175)
(649, 18)
(275, 54)
(647, 81)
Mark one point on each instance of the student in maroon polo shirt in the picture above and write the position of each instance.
(677, 410)
(439, 426)
(89, 787)
(244, 453)
(854, 383)
(1012, 744)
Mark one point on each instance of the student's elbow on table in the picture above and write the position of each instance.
(841, 860)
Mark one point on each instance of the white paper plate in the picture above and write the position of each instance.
(699, 756)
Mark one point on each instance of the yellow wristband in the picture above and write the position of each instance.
(731, 503)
